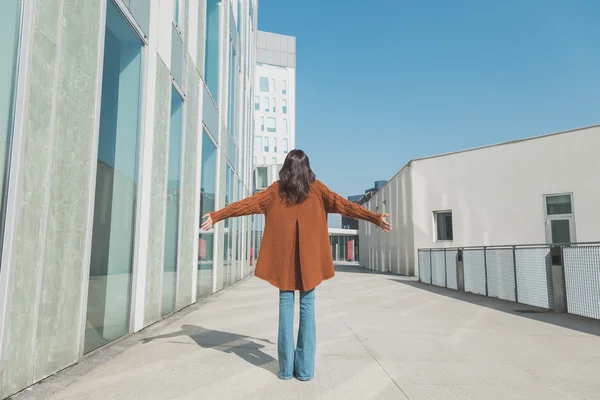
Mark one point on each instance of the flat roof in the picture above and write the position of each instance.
(543, 136)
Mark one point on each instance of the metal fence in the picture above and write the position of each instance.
(522, 274)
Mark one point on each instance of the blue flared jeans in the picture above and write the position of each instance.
(298, 362)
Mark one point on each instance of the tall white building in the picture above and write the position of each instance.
(274, 98)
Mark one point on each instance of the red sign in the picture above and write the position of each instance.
(201, 248)
(350, 250)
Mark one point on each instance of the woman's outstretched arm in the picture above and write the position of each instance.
(336, 204)
(255, 204)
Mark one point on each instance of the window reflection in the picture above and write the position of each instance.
(109, 294)
(207, 204)
(9, 30)
(211, 60)
(227, 224)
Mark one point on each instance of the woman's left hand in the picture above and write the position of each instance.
(208, 223)
(383, 224)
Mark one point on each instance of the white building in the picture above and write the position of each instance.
(274, 98)
(534, 191)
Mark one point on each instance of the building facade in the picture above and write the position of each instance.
(351, 223)
(121, 123)
(542, 190)
(274, 98)
(345, 244)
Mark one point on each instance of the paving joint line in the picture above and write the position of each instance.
(368, 351)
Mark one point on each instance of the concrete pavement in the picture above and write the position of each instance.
(379, 337)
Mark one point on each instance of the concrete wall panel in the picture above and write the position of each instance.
(189, 226)
(156, 237)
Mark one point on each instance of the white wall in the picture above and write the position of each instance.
(496, 195)
(393, 251)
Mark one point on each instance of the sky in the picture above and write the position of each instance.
(380, 83)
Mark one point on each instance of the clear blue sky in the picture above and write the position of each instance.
(383, 82)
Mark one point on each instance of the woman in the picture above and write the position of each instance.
(295, 253)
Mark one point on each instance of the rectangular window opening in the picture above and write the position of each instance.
(264, 84)
(443, 223)
(559, 204)
(271, 124)
(113, 235)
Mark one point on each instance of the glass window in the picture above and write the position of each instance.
(334, 247)
(109, 293)
(275, 145)
(561, 231)
(239, 18)
(257, 103)
(271, 124)
(178, 15)
(231, 151)
(559, 205)
(285, 146)
(173, 196)
(211, 57)
(232, 88)
(9, 30)
(274, 107)
(208, 185)
(274, 160)
(285, 126)
(227, 224)
(284, 87)
(262, 124)
(177, 53)
(267, 104)
(140, 10)
(443, 222)
(273, 84)
(257, 144)
(266, 142)
(264, 84)
(262, 177)
(284, 106)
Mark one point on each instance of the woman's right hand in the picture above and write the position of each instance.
(208, 223)
(383, 224)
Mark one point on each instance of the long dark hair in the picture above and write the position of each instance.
(295, 178)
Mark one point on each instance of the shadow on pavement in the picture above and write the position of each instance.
(360, 270)
(243, 346)
(569, 321)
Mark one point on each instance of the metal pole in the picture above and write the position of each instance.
(515, 272)
(485, 269)
(430, 268)
(564, 277)
(445, 269)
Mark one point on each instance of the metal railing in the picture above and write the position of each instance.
(556, 277)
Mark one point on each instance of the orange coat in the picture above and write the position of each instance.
(295, 253)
